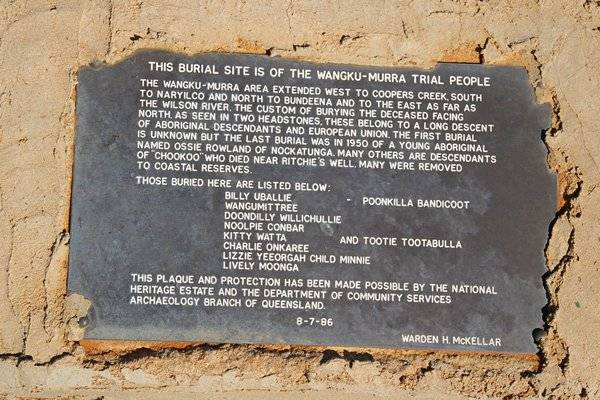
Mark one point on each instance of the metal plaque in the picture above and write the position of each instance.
(250, 199)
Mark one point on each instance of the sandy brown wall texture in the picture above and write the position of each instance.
(42, 44)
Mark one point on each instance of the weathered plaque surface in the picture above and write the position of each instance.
(248, 199)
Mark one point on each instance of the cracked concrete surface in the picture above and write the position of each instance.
(42, 43)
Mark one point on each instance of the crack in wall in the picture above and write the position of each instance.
(11, 304)
(554, 349)
(110, 26)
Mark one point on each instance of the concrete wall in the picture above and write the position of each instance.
(42, 44)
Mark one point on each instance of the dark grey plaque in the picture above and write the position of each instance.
(371, 207)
